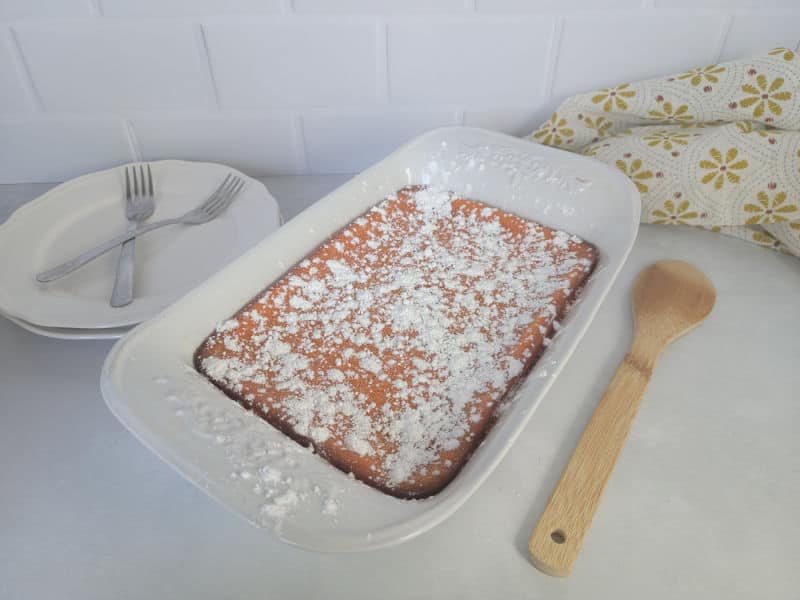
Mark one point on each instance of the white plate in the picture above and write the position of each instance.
(169, 262)
(67, 333)
(149, 384)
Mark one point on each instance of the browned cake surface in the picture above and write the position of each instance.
(390, 347)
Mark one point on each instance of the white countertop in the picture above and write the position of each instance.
(703, 502)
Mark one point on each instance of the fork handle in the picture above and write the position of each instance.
(71, 265)
(122, 294)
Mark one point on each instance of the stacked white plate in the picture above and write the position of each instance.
(88, 210)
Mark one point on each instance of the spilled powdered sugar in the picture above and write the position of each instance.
(266, 468)
(388, 339)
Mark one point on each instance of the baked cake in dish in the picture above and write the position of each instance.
(393, 345)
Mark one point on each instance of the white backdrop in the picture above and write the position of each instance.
(326, 86)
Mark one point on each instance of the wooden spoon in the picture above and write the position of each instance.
(670, 298)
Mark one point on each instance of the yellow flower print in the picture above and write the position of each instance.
(698, 75)
(667, 139)
(554, 131)
(668, 113)
(785, 52)
(765, 239)
(719, 169)
(770, 211)
(714, 228)
(595, 148)
(747, 127)
(591, 150)
(691, 125)
(611, 97)
(766, 132)
(766, 95)
(635, 173)
(674, 215)
(601, 125)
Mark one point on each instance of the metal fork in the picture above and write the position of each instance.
(139, 207)
(216, 204)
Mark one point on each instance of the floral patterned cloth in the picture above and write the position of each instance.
(716, 147)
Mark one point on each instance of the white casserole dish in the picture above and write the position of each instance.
(257, 472)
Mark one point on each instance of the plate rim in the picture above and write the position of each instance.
(64, 333)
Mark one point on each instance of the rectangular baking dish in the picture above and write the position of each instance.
(257, 472)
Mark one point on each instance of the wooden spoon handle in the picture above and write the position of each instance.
(557, 537)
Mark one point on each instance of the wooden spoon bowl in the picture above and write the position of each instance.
(670, 298)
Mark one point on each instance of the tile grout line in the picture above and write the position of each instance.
(27, 77)
(203, 49)
(552, 59)
(133, 141)
(382, 61)
(725, 29)
(300, 154)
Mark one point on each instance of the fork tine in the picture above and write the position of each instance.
(230, 196)
(219, 196)
(135, 183)
(229, 181)
(213, 197)
(150, 181)
(141, 177)
(232, 186)
(127, 184)
(227, 184)
(231, 192)
(239, 188)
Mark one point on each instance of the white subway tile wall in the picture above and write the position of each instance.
(23, 9)
(110, 65)
(285, 63)
(519, 120)
(14, 97)
(469, 60)
(604, 50)
(49, 148)
(554, 6)
(384, 6)
(757, 33)
(253, 143)
(726, 4)
(324, 86)
(338, 142)
(182, 8)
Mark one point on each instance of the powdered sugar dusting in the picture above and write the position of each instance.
(266, 468)
(391, 347)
